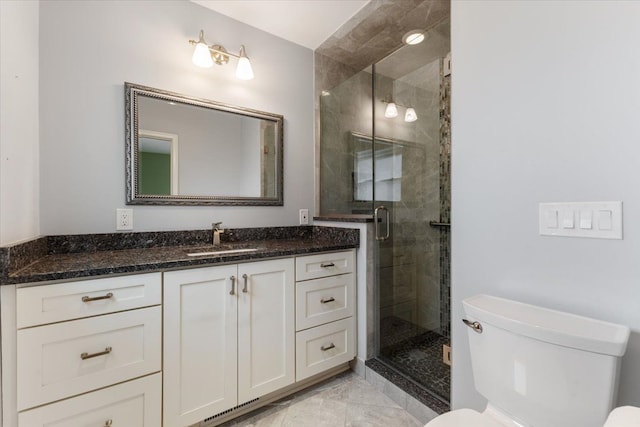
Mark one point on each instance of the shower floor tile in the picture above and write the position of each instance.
(416, 353)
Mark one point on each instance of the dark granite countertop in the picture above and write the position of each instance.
(361, 218)
(70, 257)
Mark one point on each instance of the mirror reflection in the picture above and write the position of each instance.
(192, 151)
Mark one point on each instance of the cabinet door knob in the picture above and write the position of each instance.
(233, 285)
(328, 300)
(108, 423)
(85, 355)
(246, 279)
(89, 299)
(327, 347)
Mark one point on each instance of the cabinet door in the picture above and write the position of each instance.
(200, 344)
(266, 328)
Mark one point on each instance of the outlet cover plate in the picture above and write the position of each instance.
(304, 216)
(124, 219)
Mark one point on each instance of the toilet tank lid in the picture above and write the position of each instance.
(625, 416)
(548, 325)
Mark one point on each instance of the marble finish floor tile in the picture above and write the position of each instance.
(346, 400)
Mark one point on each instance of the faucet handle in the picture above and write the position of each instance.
(216, 225)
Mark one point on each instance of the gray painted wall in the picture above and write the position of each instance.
(545, 107)
(18, 121)
(89, 49)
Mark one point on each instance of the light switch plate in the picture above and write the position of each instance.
(599, 220)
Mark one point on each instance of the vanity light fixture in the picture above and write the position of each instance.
(391, 111)
(205, 55)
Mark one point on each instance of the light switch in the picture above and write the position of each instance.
(599, 220)
(567, 219)
(552, 219)
(586, 221)
(605, 222)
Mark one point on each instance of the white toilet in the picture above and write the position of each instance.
(539, 367)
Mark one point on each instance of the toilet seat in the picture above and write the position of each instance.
(464, 418)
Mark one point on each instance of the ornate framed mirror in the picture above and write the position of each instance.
(182, 150)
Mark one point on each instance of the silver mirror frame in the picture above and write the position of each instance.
(132, 91)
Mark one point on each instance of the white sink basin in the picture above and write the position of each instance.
(225, 252)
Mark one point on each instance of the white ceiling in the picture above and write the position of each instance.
(304, 22)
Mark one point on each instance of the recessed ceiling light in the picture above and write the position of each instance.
(413, 37)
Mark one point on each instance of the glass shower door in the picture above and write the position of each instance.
(406, 152)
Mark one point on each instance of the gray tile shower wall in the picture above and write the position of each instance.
(344, 110)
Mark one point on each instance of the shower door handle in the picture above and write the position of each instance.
(376, 220)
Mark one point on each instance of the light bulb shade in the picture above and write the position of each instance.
(201, 56)
(244, 70)
(391, 111)
(410, 115)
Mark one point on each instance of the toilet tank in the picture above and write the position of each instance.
(541, 367)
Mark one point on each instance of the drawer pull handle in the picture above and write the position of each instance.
(328, 347)
(327, 265)
(108, 423)
(233, 285)
(245, 277)
(85, 356)
(89, 299)
(325, 301)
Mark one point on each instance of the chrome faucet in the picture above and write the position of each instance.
(216, 233)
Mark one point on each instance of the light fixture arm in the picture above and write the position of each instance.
(390, 101)
(215, 48)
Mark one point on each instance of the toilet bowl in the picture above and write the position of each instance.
(539, 367)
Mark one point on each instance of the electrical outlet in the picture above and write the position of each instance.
(124, 219)
(304, 216)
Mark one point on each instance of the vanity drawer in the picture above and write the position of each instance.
(324, 300)
(323, 265)
(132, 404)
(324, 347)
(39, 305)
(52, 360)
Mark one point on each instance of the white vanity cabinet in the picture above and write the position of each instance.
(172, 349)
(83, 353)
(325, 312)
(228, 337)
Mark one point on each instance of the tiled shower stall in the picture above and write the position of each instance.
(369, 160)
